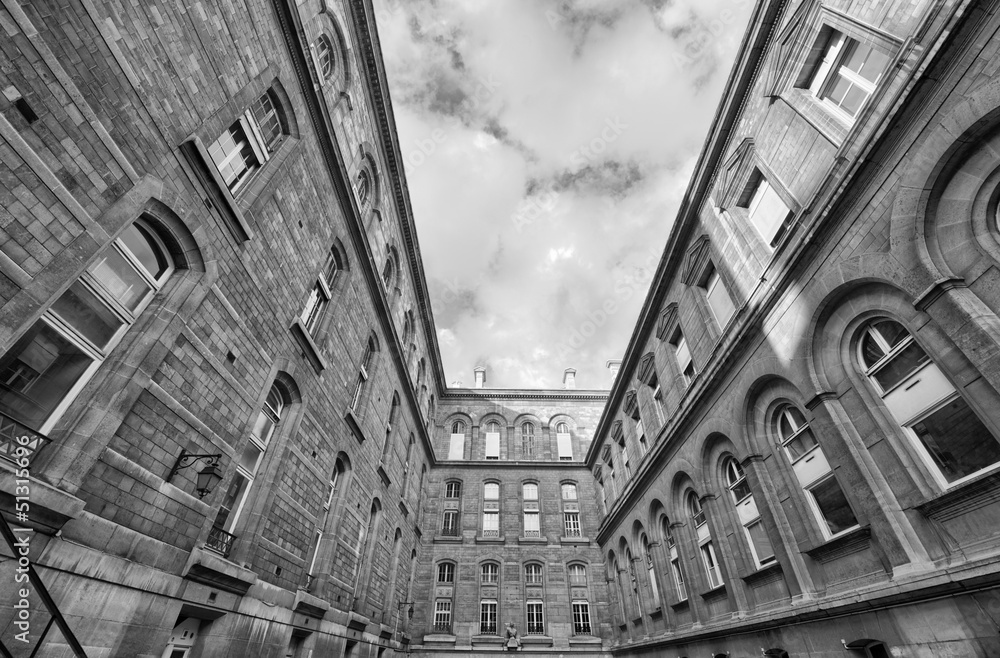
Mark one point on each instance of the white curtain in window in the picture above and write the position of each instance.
(565, 446)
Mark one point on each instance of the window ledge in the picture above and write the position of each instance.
(308, 345)
(532, 540)
(489, 540)
(197, 156)
(849, 542)
(404, 508)
(574, 540)
(355, 424)
(310, 605)
(538, 640)
(766, 574)
(584, 639)
(715, 593)
(210, 569)
(447, 539)
(51, 508)
(382, 473)
(974, 494)
(680, 605)
(656, 613)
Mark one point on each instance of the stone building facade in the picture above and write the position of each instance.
(222, 396)
(809, 400)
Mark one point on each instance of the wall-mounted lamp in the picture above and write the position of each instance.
(207, 478)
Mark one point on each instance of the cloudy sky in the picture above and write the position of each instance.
(547, 145)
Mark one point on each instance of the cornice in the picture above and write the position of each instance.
(479, 394)
(377, 87)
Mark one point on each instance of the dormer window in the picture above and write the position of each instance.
(847, 75)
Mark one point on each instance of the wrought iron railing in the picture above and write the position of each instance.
(573, 532)
(449, 531)
(220, 541)
(443, 628)
(18, 441)
(491, 533)
(536, 629)
(581, 628)
(487, 629)
(532, 533)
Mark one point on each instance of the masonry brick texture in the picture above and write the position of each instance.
(336, 546)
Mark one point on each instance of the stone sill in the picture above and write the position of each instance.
(310, 605)
(584, 640)
(212, 569)
(764, 574)
(355, 424)
(490, 540)
(447, 539)
(574, 540)
(851, 541)
(966, 497)
(532, 540)
(715, 592)
(50, 508)
(680, 605)
(536, 640)
(308, 345)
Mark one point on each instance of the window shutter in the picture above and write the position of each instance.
(565, 446)
(492, 445)
(457, 449)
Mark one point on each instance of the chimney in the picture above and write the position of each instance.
(569, 378)
(480, 376)
(613, 365)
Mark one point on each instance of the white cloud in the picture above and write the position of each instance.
(547, 146)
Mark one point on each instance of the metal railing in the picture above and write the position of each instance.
(491, 533)
(443, 628)
(536, 629)
(18, 441)
(449, 531)
(532, 533)
(220, 541)
(487, 629)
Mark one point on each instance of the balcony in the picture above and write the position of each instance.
(449, 531)
(444, 628)
(18, 441)
(220, 541)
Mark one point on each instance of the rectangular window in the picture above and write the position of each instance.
(834, 511)
(718, 297)
(450, 526)
(571, 522)
(760, 543)
(531, 527)
(442, 616)
(492, 445)
(847, 75)
(488, 618)
(684, 362)
(491, 524)
(768, 211)
(456, 449)
(675, 570)
(536, 625)
(711, 565)
(581, 618)
(565, 445)
(640, 432)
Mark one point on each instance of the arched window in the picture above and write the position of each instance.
(675, 561)
(533, 574)
(363, 187)
(706, 548)
(321, 294)
(48, 365)
(325, 56)
(577, 575)
(443, 604)
(749, 515)
(493, 440)
(564, 442)
(823, 493)
(456, 448)
(947, 434)
(491, 509)
(249, 141)
(647, 555)
(571, 510)
(490, 573)
(453, 489)
(221, 538)
(529, 495)
(527, 440)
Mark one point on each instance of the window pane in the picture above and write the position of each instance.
(833, 506)
(267, 120)
(250, 456)
(801, 444)
(740, 490)
(761, 542)
(569, 492)
(145, 250)
(531, 524)
(719, 301)
(86, 313)
(234, 496)
(531, 491)
(957, 440)
(37, 373)
(491, 491)
(900, 366)
(683, 354)
(768, 212)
